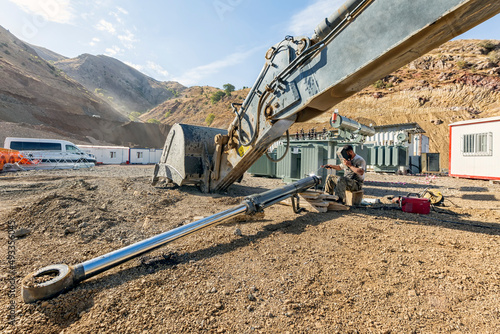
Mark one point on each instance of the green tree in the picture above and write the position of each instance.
(153, 121)
(210, 118)
(228, 88)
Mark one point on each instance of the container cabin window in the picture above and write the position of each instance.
(112, 155)
(477, 144)
(139, 155)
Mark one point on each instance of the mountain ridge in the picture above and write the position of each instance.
(457, 81)
(125, 88)
(36, 94)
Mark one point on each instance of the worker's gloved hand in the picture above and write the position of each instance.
(327, 166)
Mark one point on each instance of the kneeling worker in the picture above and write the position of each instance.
(354, 168)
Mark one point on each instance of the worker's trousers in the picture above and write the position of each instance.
(339, 184)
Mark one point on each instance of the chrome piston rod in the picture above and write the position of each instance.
(67, 276)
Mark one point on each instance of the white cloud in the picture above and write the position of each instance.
(104, 25)
(59, 11)
(127, 39)
(304, 22)
(112, 51)
(117, 17)
(195, 75)
(140, 68)
(157, 69)
(94, 41)
(151, 68)
(117, 28)
(121, 10)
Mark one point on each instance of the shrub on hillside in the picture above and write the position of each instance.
(487, 46)
(210, 118)
(216, 96)
(379, 84)
(153, 121)
(494, 57)
(134, 116)
(462, 64)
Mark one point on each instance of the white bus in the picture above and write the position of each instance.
(50, 153)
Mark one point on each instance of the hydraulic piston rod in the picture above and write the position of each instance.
(33, 287)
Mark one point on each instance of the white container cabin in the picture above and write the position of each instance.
(145, 156)
(475, 149)
(117, 155)
(109, 155)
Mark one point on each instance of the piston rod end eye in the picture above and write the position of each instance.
(47, 282)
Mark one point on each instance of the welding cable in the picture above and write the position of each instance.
(439, 219)
(286, 150)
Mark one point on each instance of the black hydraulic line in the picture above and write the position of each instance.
(286, 150)
(318, 46)
(256, 126)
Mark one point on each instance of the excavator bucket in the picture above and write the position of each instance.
(187, 155)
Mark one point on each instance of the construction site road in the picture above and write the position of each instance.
(366, 270)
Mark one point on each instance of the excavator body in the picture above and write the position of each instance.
(303, 77)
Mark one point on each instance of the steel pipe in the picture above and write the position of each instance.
(102, 263)
(62, 277)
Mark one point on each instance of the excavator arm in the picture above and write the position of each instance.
(304, 77)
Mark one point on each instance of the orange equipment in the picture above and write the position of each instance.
(12, 157)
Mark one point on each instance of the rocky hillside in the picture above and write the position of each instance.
(196, 106)
(458, 81)
(47, 54)
(125, 88)
(34, 94)
(34, 91)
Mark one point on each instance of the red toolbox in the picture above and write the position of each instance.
(415, 205)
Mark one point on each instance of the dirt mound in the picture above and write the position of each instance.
(371, 269)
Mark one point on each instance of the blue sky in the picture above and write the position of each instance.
(197, 42)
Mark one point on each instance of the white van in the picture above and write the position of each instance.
(50, 153)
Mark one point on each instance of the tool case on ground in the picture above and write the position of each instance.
(414, 204)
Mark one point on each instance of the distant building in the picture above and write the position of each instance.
(145, 156)
(116, 155)
(475, 149)
(108, 155)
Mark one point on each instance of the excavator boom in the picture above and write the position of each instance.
(304, 77)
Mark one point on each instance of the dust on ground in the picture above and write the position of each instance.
(367, 270)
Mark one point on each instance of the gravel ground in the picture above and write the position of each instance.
(367, 270)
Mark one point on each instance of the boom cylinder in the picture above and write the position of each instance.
(67, 276)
